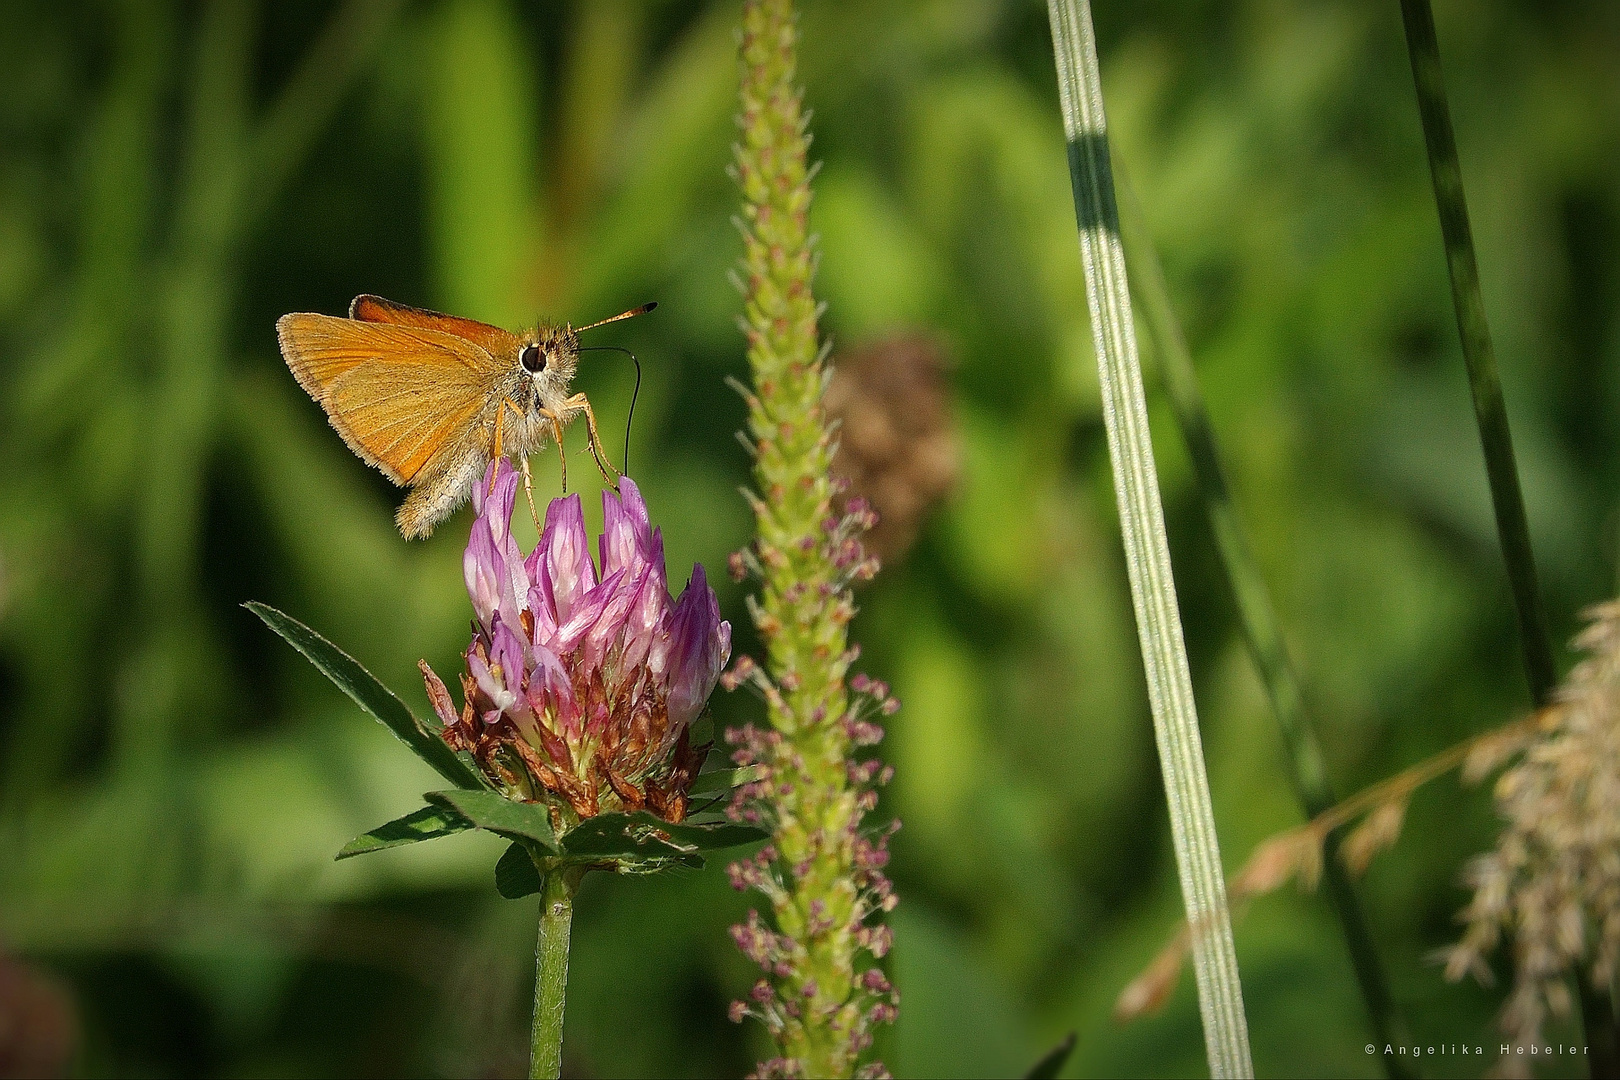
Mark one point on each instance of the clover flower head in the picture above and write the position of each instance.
(583, 678)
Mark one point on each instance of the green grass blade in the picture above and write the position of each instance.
(1147, 550)
(1258, 617)
(372, 696)
(1490, 410)
(1052, 1063)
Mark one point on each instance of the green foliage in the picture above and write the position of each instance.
(723, 780)
(421, 737)
(625, 843)
(527, 823)
(428, 823)
(158, 467)
(631, 839)
(515, 873)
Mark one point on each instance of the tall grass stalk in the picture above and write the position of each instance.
(1147, 550)
(1490, 410)
(1261, 629)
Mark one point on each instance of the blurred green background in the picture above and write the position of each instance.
(174, 781)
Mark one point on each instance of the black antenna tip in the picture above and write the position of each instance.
(648, 306)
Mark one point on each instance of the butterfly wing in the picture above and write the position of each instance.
(397, 393)
(492, 339)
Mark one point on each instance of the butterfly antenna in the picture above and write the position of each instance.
(642, 310)
(634, 394)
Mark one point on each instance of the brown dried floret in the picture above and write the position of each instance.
(897, 436)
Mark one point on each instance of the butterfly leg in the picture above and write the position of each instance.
(528, 490)
(557, 434)
(609, 473)
(495, 449)
(528, 478)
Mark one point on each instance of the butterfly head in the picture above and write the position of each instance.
(548, 358)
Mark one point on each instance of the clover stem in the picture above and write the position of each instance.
(551, 972)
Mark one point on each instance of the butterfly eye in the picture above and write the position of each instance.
(532, 359)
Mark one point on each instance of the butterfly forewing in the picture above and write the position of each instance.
(396, 392)
(492, 339)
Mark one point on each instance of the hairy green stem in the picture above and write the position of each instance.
(1490, 410)
(1147, 549)
(551, 973)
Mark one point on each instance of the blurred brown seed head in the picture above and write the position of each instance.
(39, 1027)
(1552, 884)
(1295, 854)
(1377, 832)
(1148, 992)
(898, 445)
